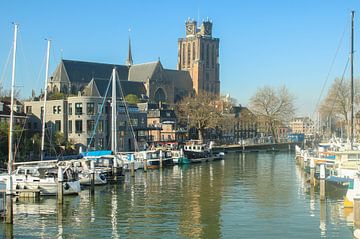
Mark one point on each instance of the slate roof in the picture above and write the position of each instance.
(98, 87)
(142, 72)
(182, 79)
(84, 72)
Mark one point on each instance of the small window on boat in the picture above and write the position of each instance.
(353, 157)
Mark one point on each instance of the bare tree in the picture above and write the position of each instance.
(337, 103)
(275, 106)
(200, 112)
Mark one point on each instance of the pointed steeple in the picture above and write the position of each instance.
(129, 60)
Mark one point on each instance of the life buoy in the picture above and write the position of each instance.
(66, 186)
(102, 177)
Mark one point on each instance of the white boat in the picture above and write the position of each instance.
(83, 167)
(128, 158)
(152, 158)
(44, 178)
(197, 152)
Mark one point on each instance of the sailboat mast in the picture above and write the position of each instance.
(11, 130)
(352, 78)
(45, 96)
(113, 114)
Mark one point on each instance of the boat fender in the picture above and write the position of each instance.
(66, 186)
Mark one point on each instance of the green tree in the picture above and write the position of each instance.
(132, 99)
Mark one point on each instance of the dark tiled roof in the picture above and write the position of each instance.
(128, 87)
(6, 111)
(83, 72)
(182, 79)
(142, 72)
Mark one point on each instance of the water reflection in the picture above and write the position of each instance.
(245, 196)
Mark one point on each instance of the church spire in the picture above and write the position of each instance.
(129, 60)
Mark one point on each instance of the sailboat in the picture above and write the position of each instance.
(39, 175)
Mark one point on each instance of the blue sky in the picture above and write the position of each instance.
(262, 42)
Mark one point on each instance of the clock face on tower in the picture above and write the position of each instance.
(207, 30)
(189, 29)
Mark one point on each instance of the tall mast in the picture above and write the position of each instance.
(45, 96)
(11, 155)
(352, 78)
(113, 116)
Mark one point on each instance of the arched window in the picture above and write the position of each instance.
(183, 55)
(213, 57)
(193, 51)
(207, 56)
(202, 51)
(188, 54)
(160, 95)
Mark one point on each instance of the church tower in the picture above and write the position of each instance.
(198, 53)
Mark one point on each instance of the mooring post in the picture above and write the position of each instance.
(356, 211)
(92, 180)
(60, 191)
(132, 165)
(145, 165)
(322, 181)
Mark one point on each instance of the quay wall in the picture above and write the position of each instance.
(255, 147)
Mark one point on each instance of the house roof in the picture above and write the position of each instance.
(98, 87)
(142, 72)
(83, 72)
(182, 79)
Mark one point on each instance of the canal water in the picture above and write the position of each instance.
(253, 195)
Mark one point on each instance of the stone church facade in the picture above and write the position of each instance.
(198, 54)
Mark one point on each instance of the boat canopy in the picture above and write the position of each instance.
(97, 153)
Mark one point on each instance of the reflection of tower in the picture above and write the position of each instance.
(198, 53)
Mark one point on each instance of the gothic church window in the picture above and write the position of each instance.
(160, 95)
(183, 55)
(213, 57)
(193, 51)
(202, 51)
(188, 54)
(207, 56)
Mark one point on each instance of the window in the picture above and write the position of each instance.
(100, 127)
(90, 108)
(54, 110)
(193, 51)
(90, 125)
(78, 108)
(78, 126)
(28, 109)
(213, 57)
(207, 56)
(70, 126)
(70, 108)
(92, 142)
(99, 108)
(188, 54)
(59, 109)
(202, 51)
(183, 55)
(57, 125)
(100, 143)
(134, 122)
